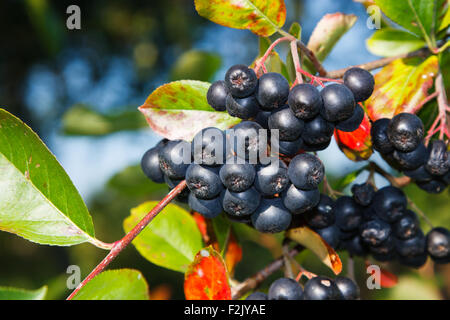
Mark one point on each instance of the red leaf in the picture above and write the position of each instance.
(207, 277)
(356, 145)
(201, 224)
(387, 279)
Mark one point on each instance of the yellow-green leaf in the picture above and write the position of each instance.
(9, 293)
(388, 42)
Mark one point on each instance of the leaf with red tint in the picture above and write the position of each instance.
(314, 242)
(401, 86)
(387, 279)
(356, 145)
(207, 277)
(201, 224)
(233, 254)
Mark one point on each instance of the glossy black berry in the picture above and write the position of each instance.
(271, 179)
(331, 235)
(438, 162)
(433, 186)
(271, 216)
(209, 147)
(174, 158)
(438, 245)
(209, 208)
(237, 176)
(172, 183)
(412, 246)
(348, 213)
(241, 203)
(407, 226)
(389, 158)
(374, 232)
(317, 131)
(321, 288)
(316, 146)
(244, 108)
(360, 82)
(405, 131)
(247, 142)
(262, 118)
(150, 165)
(380, 140)
(288, 125)
(385, 257)
(414, 261)
(285, 289)
(322, 215)
(289, 148)
(413, 159)
(389, 203)
(298, 201)
(257, 296)
(203, 182)
(363, 193)
(348, 288)
(338, 102)
(419, 174)
(355, 246)
(272, 91)
(306, 171)
(241, 80)
(217, 95)
(352, 123)
(385, 248)
(305, 101)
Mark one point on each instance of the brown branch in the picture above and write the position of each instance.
(312, 57)
(398, 182)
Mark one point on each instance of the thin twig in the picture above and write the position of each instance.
(312, 57)
(398, 182)
(420, 212)
(440, 123)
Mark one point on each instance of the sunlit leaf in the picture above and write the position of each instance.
(122, 284)
(207, 277)
(38, 201)
(389, 42)
(178, 110)
(171, 240)
(195, 65)
(401, 86)
(314, 242)
(356, 145)
(9, 293)
(259, 16)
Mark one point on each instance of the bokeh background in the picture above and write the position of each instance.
(79, 90)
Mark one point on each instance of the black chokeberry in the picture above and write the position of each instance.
(363, 193)
(271, 216)
(306, 171)
(272, 178)
(412, 246)
(298, 201)
(414, 261)
(172, 183)
(438, 245)
(322, 215)
(241, 81)
(262, 118)
(150, 165)
(244, 108)
(380, 140)
(316, 146)
(432, 186)
(247, 142)
(321, 288)
(331, 235)
(209, 147)
(241, 203)
(317, 130)
(289, 148)
(419, 174)
(374, 232)
(257, 296)
(217, 95)
(360, 82)
(407, 226)
(405, 131)
(285, 289)
(305, 101)
(203, 182)
(174, 158)
(237, 176)
(289, 126)
(389, 203)
(438, 162)
(209, 208)
(348, 213)
(413, 159)
(352, 123)
(348, 288)
(385, 248)
(338, 102)
(272, 91)
(355, 246)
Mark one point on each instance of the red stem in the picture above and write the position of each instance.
(260, 62)
(126, 240)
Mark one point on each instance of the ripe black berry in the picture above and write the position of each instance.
(316, 146)
(247, 142)
(217, 94)
(380, 140)
(241, 203)
(285, 289)
(385, 248)
(405, 131)
(438, 245)
(414, 261)
(419, 174)
(150, 165)
(237, 176)
(360, 82)
(306, 171)
(262, 118)
(172, 183)
(272, 91)
(257, 296)
(355, 246)
(331, 235)
(348, 288)
(432, 186)
(322, 215)
(352, 123)
(244, 108)
(271, 216)
(289, 126)
(210, 208)
(338, 102)
(374, 232)
(272, 179)
(407, 226)
(389, 203)
(298, 201)
(363, 193)
(348, 213)
(438, 162)
(412, 246)
(241, 80)
(413, 159)
(209, 147)
(317, 130)
(305, 101)
(174, 158)
(203, 182)
(289, 148)
(322, 288)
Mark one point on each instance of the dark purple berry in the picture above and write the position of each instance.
(298, 201)
(438, 245)
(380, 140)
(389, 203)
(405, 132)
(438, 162)
(217, 94)
(203, 182)
(174, 158)
(348, 213)
(413, 159)
(347, 287)
(412, 246)
(317, 131)
(244, 108)
(209, 208)
(273, 91)
(305, 101)
(289, 126)
(316, 146)
(285, 289)
(419, 174)
(257, 296)
(209, 147)
(321, 288)
(289, 148)
(331, 235)
(272, 179)
(241, 203)
(338, 102)
(414, 261)
(247, 141)
(363, 193)
(262, 118)
(407, 226)
(236, 176)
(306, 171)
(150, 165)
(352, 123)
(360, 82)
(322, 215)
(433, 186)
(374, 232)
(241, 81)
(271, 216)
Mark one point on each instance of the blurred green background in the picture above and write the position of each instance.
(79, 89)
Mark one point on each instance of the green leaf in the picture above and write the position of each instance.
(444, 65)
(222, 229)
(273, 62)
(296, 31)
(38, 201)
(444, 17)
(349, 178)
(391, 42)
(179, 109)
(195, 65)
(8, 293)
(84, 120)
(171, 240)
(122, 284)
(262, 17)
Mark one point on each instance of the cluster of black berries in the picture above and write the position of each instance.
(265, 195)
(378, 223)
(305, 117)
(316, 288)
(400, 142)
